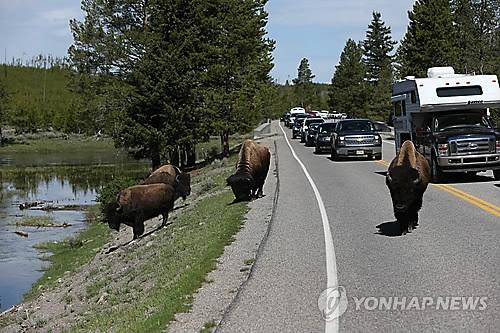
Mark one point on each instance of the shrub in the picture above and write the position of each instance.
(106, 195)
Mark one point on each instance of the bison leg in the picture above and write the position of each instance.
(165, 218)
(138, 228)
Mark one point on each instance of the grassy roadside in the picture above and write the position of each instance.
(176, 266)
(71, 254)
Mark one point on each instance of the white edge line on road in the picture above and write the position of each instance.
(331, 326)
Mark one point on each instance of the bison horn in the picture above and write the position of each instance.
(389, 178)
(417, 181)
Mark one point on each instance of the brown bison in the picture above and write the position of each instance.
(139, 203)
(169, 174)
(407, 179)
(251, 171)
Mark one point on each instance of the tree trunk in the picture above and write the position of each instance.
(174, 156)
(190, 155)
(224, 140)
(155, 157)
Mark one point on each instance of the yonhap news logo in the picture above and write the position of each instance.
(333, 303)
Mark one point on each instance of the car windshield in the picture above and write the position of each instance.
(314, 126)
(357, 126)
(327, 128)
(314, 121)
(299, 121)
(447, 122)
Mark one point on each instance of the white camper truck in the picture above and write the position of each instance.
(446, 117)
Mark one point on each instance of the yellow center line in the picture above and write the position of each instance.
(484, 205)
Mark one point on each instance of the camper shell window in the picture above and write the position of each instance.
(459, 91)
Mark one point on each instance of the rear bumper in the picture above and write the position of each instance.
(361, 151)
(469, 162)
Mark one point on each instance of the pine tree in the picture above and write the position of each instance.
(428, 41)
(304, 73)
(378, 61)
(377, 48)
(348, 91)
(303, 86)
(239, 62)
(465, 36)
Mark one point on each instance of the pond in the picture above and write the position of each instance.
(65, 181)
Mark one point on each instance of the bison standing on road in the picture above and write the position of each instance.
(139, 203)
(251, 171)
(407, 179)
(169, 174)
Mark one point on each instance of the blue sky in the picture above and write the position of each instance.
(314, 29)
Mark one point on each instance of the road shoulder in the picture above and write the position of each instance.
(234, 267)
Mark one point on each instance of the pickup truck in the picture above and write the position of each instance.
(355, 138)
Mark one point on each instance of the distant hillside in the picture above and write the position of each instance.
(39, 98)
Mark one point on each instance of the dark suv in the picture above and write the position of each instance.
(356, 138)
(323, 136)
(297, 125)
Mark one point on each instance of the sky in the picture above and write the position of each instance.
(312, 29)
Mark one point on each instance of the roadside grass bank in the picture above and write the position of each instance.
(142, 285)
(175, 266)
(70, 254)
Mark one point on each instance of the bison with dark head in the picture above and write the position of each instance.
(139, 203)
(407, 179)
(251, 171)
(171, 175)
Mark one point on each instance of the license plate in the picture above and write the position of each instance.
(360, 152)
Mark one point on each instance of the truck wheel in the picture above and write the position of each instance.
(378, 157)
(316, 150)
(496, 174)
(436, 173)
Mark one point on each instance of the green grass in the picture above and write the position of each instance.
(35, 221)
(177, 271)
(59, 145)
(208, 327)
(71, 254)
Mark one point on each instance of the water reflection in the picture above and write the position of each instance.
(20, 263)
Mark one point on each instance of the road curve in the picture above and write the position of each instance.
(454, 253)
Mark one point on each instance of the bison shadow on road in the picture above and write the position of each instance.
(389, 229)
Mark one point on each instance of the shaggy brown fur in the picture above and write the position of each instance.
(139, 203)
(407, 179)
(251, 171)
(171, 175)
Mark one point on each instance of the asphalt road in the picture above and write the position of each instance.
(454, 252)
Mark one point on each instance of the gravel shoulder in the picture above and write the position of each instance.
(234, 267)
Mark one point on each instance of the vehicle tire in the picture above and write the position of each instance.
(436, 174)
(378, 157)
(496, 174)
(316, 150)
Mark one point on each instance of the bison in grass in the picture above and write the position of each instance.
(251, 171)
(407, 179)
(169, 174)
(139, 203)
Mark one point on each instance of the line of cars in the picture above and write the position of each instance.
(341, 137)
